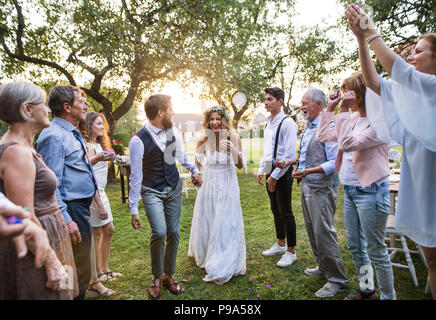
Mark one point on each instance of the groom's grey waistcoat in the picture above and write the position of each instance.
(156, 172)
(315, 156)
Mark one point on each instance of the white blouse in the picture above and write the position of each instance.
(408, 117)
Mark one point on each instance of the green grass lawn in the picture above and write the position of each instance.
(130, 255)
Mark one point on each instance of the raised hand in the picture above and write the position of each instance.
(360, 23)
(334, 99)
(348, 100)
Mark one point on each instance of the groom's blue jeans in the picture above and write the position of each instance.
(163, 209)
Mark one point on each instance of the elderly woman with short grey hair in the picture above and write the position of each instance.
(28, 182)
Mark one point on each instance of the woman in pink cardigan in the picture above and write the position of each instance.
(363, 167)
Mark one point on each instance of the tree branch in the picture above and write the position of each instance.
(20, 55)
(274, 70)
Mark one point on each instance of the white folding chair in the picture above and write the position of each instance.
(244, 160)
(393, 155)
(393, 235)
(185, 177)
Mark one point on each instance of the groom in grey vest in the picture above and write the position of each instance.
(154, 176)
(316, 171)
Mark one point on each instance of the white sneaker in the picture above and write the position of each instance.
(329, 290)
(275, 249)
(313, 271)
(287, 259)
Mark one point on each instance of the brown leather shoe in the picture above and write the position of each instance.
(154, 289)
(359, 295)
(172, 285)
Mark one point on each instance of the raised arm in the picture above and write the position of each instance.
(240, 162)
(52, 150)
(363, 27)
(326, 131)
(348, 142)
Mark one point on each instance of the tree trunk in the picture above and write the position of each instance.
(111, 170)
(236, 119)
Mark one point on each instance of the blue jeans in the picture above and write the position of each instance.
(79, 212)
(366, 212)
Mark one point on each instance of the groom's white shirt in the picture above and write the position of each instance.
(286, 146)
(136, 148)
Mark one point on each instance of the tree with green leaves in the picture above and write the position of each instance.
(236, 50)
(401, 21)
(122, 46)
(311, 57)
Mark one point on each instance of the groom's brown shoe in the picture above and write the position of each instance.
(154, 289)
(172, 285)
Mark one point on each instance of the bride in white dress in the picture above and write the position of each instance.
(217, 240)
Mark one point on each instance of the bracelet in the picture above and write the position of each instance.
(373, 37)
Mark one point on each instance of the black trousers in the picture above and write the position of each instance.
(281, 207)
(79, 212)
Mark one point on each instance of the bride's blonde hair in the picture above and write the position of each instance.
(225, 119)
(226, 127)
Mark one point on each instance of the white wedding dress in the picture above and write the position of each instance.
(217, 240)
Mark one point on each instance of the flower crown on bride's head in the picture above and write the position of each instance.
(218, 109)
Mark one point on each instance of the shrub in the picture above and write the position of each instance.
(119, 147)
(123, 136)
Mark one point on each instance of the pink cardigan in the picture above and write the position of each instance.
(370, 155)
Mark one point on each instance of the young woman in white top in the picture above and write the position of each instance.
(98, 145)
(403, 110)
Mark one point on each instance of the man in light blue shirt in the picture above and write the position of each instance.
(316, 170)
(64, 152)
(331, 148)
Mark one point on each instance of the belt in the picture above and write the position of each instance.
(85, 200)
(45, 212)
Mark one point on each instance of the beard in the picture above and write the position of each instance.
(167, 123)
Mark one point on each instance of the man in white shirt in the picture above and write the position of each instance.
(154, 175)
(280, 141)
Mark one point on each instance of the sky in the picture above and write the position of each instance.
(309, 13)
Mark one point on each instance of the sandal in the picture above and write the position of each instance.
(113, 275)
(104, 293)
(105, 277)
